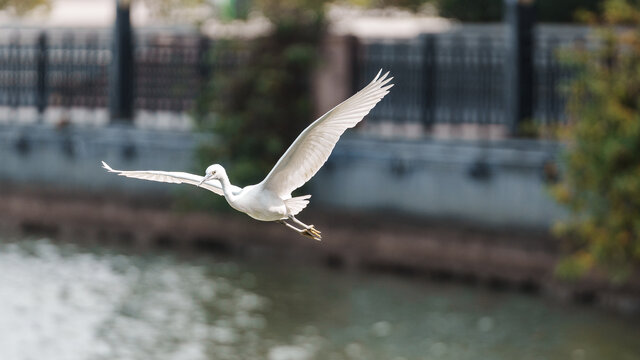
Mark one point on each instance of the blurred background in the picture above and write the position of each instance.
(487, 208)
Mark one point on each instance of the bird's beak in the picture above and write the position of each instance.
(205, 178)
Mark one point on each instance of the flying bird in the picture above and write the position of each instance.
(271, 199)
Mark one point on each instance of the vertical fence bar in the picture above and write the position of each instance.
(93, 72)
(41, 69)
(443, 85)
(460, 73)
(519, 62)
(67, 84)
(429, 73)
(484, 86)
(14, 61)
(547, 81)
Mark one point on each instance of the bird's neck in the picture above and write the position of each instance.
(226, 188)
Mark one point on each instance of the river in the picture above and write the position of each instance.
(63, 302)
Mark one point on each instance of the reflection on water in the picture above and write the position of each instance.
(59, 302)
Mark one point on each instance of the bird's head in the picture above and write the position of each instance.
(215, 171)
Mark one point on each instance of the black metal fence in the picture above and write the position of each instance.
(71, 70)
(38, 69)
(458, 77)
(454, 77)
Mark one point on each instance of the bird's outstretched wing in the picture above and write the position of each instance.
(313, 146)
(173, 178)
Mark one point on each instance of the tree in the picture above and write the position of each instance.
(601, 186)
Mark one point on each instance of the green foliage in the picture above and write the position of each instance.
(258, 108)
(491, 10)
(22, 7)
(601, 187)
(565, 10)
(476, 11)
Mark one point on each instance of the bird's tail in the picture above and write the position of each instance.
(296, 204)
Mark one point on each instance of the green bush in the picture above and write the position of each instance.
(473, 11)
(565, 10)
(492, 10)
(601, 186)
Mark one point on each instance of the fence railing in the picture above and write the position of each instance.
(458, 77)
(452, 78)
(72, 69)
(39, 69)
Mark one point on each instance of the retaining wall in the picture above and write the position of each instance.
(498, 183)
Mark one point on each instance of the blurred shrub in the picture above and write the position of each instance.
(601, 186)
(22, 7)
(564, 10)
(491, 10)
(475, 11)
(258, 108)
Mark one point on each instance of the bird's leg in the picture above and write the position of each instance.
(309, 228)
(289, 226)
(304, 232)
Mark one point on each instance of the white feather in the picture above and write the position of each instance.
(172, 178)
(313, 146)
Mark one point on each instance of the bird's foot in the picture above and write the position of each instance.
(312, 233)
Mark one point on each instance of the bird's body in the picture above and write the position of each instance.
(259, 203)
(271, 199)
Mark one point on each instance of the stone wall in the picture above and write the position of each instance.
(497, 184)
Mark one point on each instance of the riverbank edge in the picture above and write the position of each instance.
(511, 259)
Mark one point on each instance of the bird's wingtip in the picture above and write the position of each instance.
(377, 75)
(380, 78)
(107, 167)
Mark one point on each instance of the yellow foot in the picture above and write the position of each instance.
(312, 233)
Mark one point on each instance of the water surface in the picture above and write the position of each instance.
(63, 302)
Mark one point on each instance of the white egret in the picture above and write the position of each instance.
(271, 199)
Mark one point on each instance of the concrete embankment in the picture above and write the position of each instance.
(491, 183)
